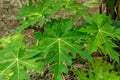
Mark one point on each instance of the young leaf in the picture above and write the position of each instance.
(15, 59)
(59, 46)
(101, 31)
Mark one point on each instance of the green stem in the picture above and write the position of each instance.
(119, 10)
(111, 4)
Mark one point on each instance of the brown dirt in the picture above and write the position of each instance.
(8, 21)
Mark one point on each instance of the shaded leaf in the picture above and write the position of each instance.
(101, 33)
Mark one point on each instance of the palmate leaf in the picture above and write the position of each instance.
(102, 32)
(15, 60)
(40, 12)
(37, 12)
(101, 70)
(59, 46)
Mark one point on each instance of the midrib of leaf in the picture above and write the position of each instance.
(70, 37)
(18, 68)
(68, 44)
(17, 62)
(34, 14)
(51, 44)
(14, 55)
(37, 14)
(26, 63)
(59, 40)
(46, 37)
(105, 42)
(4, 61)
(109, 33)
(59, 47)
(8, 67)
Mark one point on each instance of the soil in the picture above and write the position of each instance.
(8, 20)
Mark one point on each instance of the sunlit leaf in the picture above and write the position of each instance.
(16, 59)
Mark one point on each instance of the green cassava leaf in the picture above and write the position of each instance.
(16, 59)
(100, 71)
(43, 11)
(101, 30)
(58, 44)
(37, 13)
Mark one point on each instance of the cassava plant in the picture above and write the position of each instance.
(101, 32)
(60, 42)
(41, 12)
(60, 46)
(100, 70)
(16, 59)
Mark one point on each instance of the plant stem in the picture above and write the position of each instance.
(119, 10)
